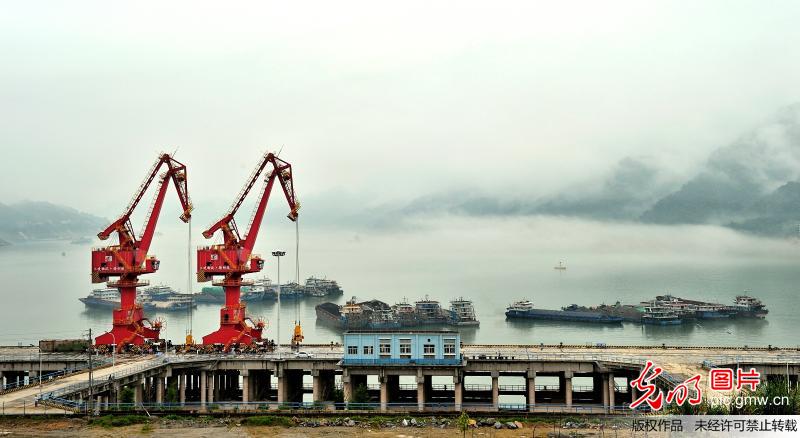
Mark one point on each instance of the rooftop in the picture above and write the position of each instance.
(384, 331)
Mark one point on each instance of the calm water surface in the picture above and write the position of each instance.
(493, 266)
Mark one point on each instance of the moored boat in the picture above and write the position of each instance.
(524, 309)
(749, 307)
(462, 312)
(161, 298)
(660, 315)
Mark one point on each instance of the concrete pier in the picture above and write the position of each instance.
(264, 381)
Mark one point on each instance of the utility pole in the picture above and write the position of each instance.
(278, 255)
(40, 371)
(91, 377)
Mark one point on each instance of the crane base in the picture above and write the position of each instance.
(128, 334)
(233, 334)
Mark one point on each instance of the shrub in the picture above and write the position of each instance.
(118, 420)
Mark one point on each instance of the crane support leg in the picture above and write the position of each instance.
(233, 323)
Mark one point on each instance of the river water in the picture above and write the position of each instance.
(491, 261)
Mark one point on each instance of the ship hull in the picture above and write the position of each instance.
(711, 314)
(563, 315)
(94, 302)
(751, 314)
(648, 321)
(466, 323)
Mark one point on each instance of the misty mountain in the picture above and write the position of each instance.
(752, 185)
(748, 185)
(626, 193)
(30, 220)
(775, 214)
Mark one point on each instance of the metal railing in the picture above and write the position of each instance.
(75, 387)
(46, 357)
(780, 359)
(32, 381)
(419, 361)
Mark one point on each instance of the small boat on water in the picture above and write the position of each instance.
(560, 267)
(462, 312)
(712, 311)
(750, 307)
(321, 287)
(429, 311)
(524, 310)
(660, 315)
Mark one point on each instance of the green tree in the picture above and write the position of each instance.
(126, 396)
(171, 395)
(360, 395)
(338, 396)
(463, 423)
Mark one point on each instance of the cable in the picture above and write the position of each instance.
(297, 267)
(189, 277)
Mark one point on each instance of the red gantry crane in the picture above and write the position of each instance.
(234, 258)
(128, 259)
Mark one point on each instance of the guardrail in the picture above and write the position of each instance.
(75, 387)
(45, 357)
(33, 381)
(781, 359)
(428, 362)
(44, 378)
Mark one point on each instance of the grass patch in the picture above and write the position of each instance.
(267, 420)
(118, 420)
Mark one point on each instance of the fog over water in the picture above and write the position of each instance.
(491, 261)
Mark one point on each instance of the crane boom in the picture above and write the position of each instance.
(227, 223)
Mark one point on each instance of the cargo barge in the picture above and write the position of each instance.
(666, 309)
(376, 314)
(744, 306)
(524, 310)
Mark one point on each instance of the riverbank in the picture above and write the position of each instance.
(274, 426)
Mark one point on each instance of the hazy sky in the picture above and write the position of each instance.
(378, 101)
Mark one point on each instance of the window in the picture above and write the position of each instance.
(405, 348)
(429, 349)
(352, 349)
(449, 347)
(369, 350)
(385, 347)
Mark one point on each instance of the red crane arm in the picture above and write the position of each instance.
(175, 171)
(282, 171)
